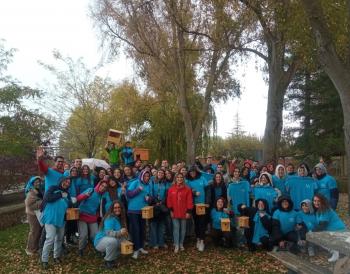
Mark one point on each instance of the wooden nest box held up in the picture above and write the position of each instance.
(126, 247)
(72, 214)
(200, 209)
(243, 222)
(147, 212)
(115, 136)
(225, 224)
(141, 154)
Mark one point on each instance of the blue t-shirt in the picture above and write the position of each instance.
(238, 193)
(300, 189)
(287, 220)
(334, 222)
(259, 229)
(127, 155)
(112, 223)
(325, 185)
(198, 185)
(309, 219)
(55, 212)
(52, 178)
(266, 192)
(279, 183)
(137, 202)
(216, 217)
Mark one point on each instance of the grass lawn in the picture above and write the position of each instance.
(213, 260)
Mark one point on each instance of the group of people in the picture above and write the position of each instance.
(282, 205)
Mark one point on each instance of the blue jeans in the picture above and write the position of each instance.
(137, 229)
(157, 228)
(179, 231)
(54, 237)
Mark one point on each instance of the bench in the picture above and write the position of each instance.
(296, 264)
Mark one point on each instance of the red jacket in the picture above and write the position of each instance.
(180, 201)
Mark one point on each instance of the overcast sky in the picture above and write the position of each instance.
(37, 27)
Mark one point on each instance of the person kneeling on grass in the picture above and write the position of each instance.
(111, 232)
(327, 220)
(55, 203)
(258, 233)
(222, 238)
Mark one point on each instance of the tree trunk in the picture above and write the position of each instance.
(337, 71)
(279, 80)
(274, 116)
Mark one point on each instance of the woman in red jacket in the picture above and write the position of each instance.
(179, 201)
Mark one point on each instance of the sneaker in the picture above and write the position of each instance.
(201, 246)
(135, 255)
(275, 248)
(182, 247)
(143, 251)
(44, 265)
(198, 243)
(176, 249)
(334, 257)
(156, 247)
(311, 251)
(29, 253)
(164, 246)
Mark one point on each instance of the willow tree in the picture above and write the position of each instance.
(275, 26)
(180, 47)
(330, 23)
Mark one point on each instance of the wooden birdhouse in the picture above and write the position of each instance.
(141, 154)
(243, 222)
(225, 224)
(200, 209)
(147, 212)
(115, 136)
(72, 214)
(126, 247)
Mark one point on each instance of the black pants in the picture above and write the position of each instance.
(200, 223)
(71, 229)
(224, 238)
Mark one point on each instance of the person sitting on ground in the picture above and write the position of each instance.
(259, 230)
(306, 221)
(218, 212)
(112, 232)
(283, 225)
